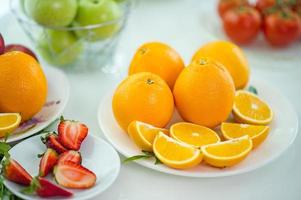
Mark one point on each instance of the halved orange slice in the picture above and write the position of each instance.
(193, 134)
(176, 154)
(228, 153)
(8, 123)
(258, 133)
(143, 134)
(249, 108)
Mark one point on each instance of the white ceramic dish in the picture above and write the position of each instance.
(58, 95)
(98, 156)
(284, 129)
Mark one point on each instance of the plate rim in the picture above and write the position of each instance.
(55, 116)
(146, 164)
(92, 194)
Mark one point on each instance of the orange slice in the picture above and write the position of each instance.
(9, 122)
(249, 108)
(193, 134)
(228, 153)
(257, 133)
(143, 134)
(176, 154)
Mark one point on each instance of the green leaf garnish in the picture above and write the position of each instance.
(145, 155)
(252, 89)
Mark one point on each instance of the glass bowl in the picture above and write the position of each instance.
(75, 48)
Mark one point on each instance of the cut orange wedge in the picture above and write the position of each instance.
(143, 134)
(193, 134)
(249, 108)
(8, 123)
(228, 153)
(257, 133)
(176, 154)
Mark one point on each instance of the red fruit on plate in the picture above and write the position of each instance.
(19, 47)
(47, 162)
(2, 44)
(242, 24)
(72, 133)
(71, 156)
(51, 141)
(14, 172)
(72, 175)
(282, 28)
(225, 5)
(44, 188)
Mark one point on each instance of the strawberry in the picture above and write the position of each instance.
(72, 175)
(44, 188)
(14, 172)
(72, 156)
(48, 161)
(51, 141)
(72, 133)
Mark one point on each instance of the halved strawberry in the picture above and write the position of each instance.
(14, 172)
(72, 133)
(51, 141)
(47, 162)
(72, 156)
(72, 175)
(45, 188)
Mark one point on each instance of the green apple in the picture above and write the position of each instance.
(59, 47)
(92, 12)
(52, 12)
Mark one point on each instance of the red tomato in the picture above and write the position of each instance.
(282, 28)
(225, 5)
(242, 24)
(262, 5)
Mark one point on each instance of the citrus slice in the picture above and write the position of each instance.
(228, 153)
(249, 108)
(9, 122)
(193, 134)
(143, 134)
(257, 133)
(176, 154)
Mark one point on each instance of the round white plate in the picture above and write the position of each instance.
(284, 129)
(58, 94)
(97, 155)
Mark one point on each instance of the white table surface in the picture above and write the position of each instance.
(177, 22)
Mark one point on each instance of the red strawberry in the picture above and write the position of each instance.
(13, 171)
(48, 161)
(72, 175)
(51, 141)
(72, 133)
(45, 188)
(72, 156)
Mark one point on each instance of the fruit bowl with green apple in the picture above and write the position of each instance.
(74, 34)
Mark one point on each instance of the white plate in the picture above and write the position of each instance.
(58, 94)
(284, 129)
(97, 155)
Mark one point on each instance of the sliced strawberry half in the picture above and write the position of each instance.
(48, 161)
(72, 156)
(44, 188)
(72, 133)
(72, 175)
(14, 172)
(51, 141)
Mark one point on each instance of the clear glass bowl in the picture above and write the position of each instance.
(85, 52)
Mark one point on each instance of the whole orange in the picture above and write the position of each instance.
(158, 58)
(143, 97)
(231, 56)
(23, 85)
(204, 93)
